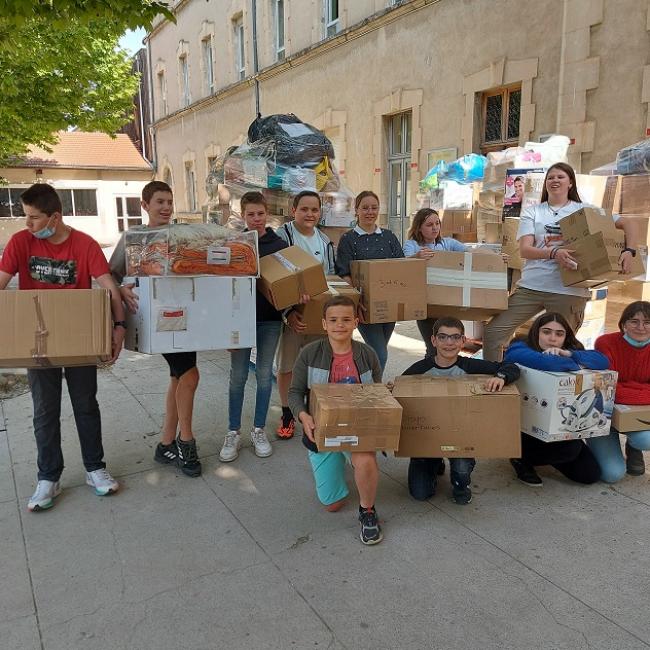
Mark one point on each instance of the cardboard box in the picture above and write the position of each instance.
(289, 273)
(484, 218)
(355, 417)
(597, 256)
(469, 286)
(455, 222)
(391, 290)
(192, 313)
(494, 233)
(455, 417)
(566, 405)
(55, 328)
(510, 243)
(312, 312)
(628, 195)
(591, 188)
(631, 418)
(585, 222)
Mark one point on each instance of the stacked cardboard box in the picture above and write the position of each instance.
(312, 312)
(459, 224)
(510, 243)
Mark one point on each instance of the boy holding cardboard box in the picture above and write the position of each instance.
(51, 255)
(338, 359)
(448, 340)
(302, 232)
(180, 450)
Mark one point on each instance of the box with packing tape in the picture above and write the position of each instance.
(312, 312)
(288, 274)
(355, 417)
(55, 328)
(631, 418)
(191, 313)
(566, 405)
(510, 243)
(391, 290)
(469, 286)
(457, 418)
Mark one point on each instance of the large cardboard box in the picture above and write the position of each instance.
(597, 256)
(494, 233)
(510, 243)
(288, 274)
(455, 417)
(54, 328)
(631, 418)
(628, 195)
(484, 219)
(469, 286)
(591, 188)
(312, 312)
(355, 417)
(457, 222)
(566, 405)
(391, 290)
(585, 222)
(193, 313)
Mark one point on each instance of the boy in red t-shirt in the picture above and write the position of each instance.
(51, 255)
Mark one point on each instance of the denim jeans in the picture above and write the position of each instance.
(423, 475)
(46, 387)
(377, 335)
(608, 453)
(268, 333)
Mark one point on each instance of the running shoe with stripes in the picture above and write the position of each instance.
(166, 454)
(102, 482)
(284, 432)
(188, 458)
(43, 497)
(370, 529)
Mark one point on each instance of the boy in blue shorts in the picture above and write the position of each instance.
(337, 358)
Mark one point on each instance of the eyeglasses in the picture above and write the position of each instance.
(451, 337)
(633, 322)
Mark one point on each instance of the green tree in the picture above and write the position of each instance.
(60, 66)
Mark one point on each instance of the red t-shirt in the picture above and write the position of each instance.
(344, 370)
(42, 265)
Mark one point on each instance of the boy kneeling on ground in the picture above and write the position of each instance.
(448, 340)
(338, 359)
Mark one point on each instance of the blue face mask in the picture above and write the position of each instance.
(45, 233)
(636, 344)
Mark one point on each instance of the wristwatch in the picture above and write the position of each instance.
(501, 375)
(119, 323)
(629, 250)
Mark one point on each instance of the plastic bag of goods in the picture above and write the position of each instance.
(191, 249)
(434, 176)
(248, 167)
(337, 209)
(295, 143)
(467, 169)
(634, 159)
(543, 154)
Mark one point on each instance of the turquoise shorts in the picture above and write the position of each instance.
(329, 474)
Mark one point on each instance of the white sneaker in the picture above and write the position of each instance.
(260, 442)
(103, 482)
(231, 445)
(43, 498)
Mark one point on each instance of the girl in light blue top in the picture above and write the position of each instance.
(424, 238)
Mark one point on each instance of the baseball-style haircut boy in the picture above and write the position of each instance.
(43, 197)
(152, 187)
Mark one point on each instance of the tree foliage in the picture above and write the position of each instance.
(55, 75)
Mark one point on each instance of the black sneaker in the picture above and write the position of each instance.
(462, 495)
(370, 528)
(166, 454)
(634, 461)
(188, 458)
(526, 473)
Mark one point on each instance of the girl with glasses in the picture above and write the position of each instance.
(628, 351)
(551, 345)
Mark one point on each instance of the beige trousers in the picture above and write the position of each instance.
(523, 304)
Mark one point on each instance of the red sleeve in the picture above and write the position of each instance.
(632, 392)
(9, 259)
(97, 262)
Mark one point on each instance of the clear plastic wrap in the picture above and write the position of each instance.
(191, 249)
(634, 159)
(338, 209)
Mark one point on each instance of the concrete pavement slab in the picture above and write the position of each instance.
(20, 634)
(7, 488)
(16, 599)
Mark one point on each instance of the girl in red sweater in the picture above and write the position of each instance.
(628, 352)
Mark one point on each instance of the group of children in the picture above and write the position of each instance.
(51, 255)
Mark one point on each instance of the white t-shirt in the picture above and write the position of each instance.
(314, 245)
(543, 222)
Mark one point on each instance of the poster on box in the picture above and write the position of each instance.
(523, 188)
